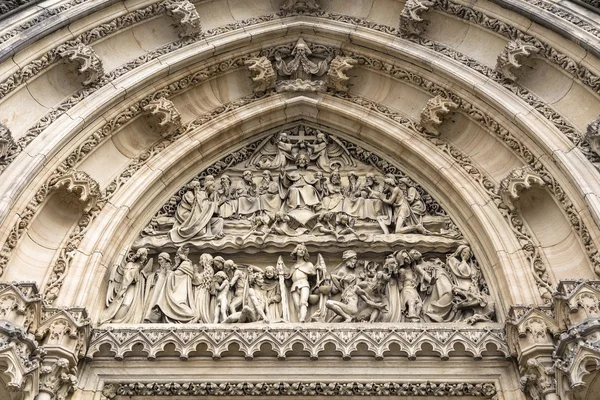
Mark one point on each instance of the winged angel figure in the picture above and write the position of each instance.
(326, 151)
(125, 294)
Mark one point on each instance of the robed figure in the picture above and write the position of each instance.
(298, 187)
(201, 220)
(177, 301)
(301, 67)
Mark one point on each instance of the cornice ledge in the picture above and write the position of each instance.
(121, 339)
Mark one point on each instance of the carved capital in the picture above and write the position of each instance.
(518, 180)
(185, 15)
(57, 378)
(411, 21)
(64, 333)
(512, 56)
(87, 61)
(300, 5)
(80, 183)
(436, 109)
(337, 80)
(263, 74)
(592, 135)
(163, 116)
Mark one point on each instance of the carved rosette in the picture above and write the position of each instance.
(512, 56)
(518, 180)
(411, 17)
(263, 74)
(434, 112)
(337, 78)
(163, 116)
(81, 184)
(185, 15)
(88, 62)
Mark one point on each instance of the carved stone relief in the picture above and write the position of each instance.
(411, 20)
(273, 203)
(87, 61)
(186, 16)
(512, 57)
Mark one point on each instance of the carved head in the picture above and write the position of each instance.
(390, 265)
(403, 183)
(193, 184)
(283, 137)
(370, 179)
(141, 254)
(247, 175)
(352, 177)
(229, 265)
(270, 272)
(266, 175)
(389, 183)
(220, 277)
(415, 255)
(219, 263)
(320, 137)
(225, 180)
(302, 160)
(164, 259)
(336, 178)
(350, 258)
(349, 279)
(300, 252)
(206, 260)
(209, 183)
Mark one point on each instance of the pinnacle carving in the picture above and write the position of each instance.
(186, 16)
(163, 116)
(512, 56)
(337, 80)
(434, 113)
(87, 60)
(81, 184)
(411, 17)
(518, 180)
(263, 74)
(300, 5)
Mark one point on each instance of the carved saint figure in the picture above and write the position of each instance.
(125, 296)
(177, 302)
(460, 266)
(347, 266)
(222, 292)
(300, 67)
(298, 186)
(155, 285)
(393, 196)
(247, 193)
(333, 200)
(437, 307)
(202, 220)
(226, 195)
(268, 190)
(410, 300)
(299, 274)
(204, 288)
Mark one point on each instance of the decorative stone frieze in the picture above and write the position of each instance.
(185, 15)
(263, 74)
(81, 184)
(89, 64)
(411, 17)
(337, 80)
(282, 339)
(434, 112)
(518, 180)
(512, 57)
(163, 116)
(485, 390)
(300, 5)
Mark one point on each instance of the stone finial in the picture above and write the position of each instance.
(300, 5)
(436, 109)
(411, 21)
(87, 61)
(185, 15)
(512, 56)
(163, 116)
(592, 135)
(80, 183)
(337, 80)
(518, 180)
(263, 74)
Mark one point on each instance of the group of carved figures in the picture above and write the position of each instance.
(279, 203)
(404, 288)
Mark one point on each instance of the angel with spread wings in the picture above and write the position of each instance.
(125, 295)
(275, 152)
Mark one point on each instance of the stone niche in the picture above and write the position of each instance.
(300, 226)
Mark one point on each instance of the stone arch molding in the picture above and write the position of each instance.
(437, 139)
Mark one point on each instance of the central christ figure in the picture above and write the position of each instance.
(299, 187)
